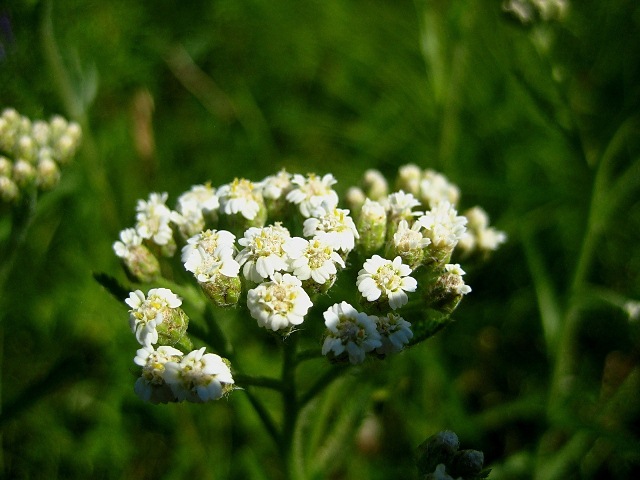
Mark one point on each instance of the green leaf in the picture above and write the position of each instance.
(112, 285)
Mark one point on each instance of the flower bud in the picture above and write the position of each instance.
(222, 290)
(26, 148)
(447, 291)
(139, 263)
(375, 185)
(437, 449)
(409, 177)
(47, 174)
(8, 189)
(41, 133)
(172, 331)
(6, 166)
(24, 173)
(355, 199)
(372, 227)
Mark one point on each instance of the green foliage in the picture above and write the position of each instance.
(537, 123)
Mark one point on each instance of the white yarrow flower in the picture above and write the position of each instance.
(395, 333)
(435, 188)
(240, 196)
(386, 279)
(280, 303)
(457, 283)
(210, 253)
(274, 186)
(151, 386)
(314, 259)
(198, 377)
(148, 312)
(349, 332)
(263, 254)
(401, 204)
(153, 217)
(335, 227)
(129, 240)
(313, 194)
(443, 226)
(192, 206)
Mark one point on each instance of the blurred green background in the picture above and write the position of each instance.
(536, 121)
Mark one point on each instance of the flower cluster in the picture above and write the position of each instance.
(167, 374)
(276, 247)
(31, 152)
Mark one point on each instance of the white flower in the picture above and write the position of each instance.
(198, 377)
(313, 259)
(153, 217)
(400, 205)
(313, 194)
(386, 279)
(210, 253)
(406, 239)
(151, 386)
(263, 254)
(129, 240)
(350, 332)
(192, 207)
(395, 333)
(435, 188)
(479, 234)
(280, 303)
(457, 283)
(632, 309)
(443, 225)
(240, 196)
(274, 186)
(335, 227)
(147, 313)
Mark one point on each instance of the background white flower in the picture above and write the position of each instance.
(349, 332)
(280, 303)
(198, 376)
(386, 279)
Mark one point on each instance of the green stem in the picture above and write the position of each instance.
(290, 404)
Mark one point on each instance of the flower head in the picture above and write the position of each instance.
(209, 254)
(263, 254)
(335, 227)
(349, 333)
(151, 386)
(280, 303)
(395, 333)
(444, 227)
(435, 188)
(147, 313)
(193, 207)
(240, 196)
(382, 279)
(138, 260)
(153, 217)
(409, 243)
(313, 194)
(314, 259)
(198, 377)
